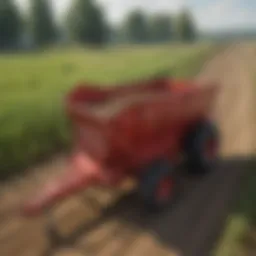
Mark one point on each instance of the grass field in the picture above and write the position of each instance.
(33, 85)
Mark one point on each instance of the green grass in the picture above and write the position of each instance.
(33, 85)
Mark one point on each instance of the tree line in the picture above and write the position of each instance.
(85, 23)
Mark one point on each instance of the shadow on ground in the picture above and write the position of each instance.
(190, 226)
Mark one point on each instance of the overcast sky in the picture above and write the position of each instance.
(209, 14)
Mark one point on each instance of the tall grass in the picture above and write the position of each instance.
(32, 88)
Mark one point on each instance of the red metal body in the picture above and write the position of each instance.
(119, 130)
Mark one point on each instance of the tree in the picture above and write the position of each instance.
(10, 24)
(86, 23)
(43, 26)
(136, 27)
(161, 29)
(186, 30)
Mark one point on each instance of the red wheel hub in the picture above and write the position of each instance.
(165, 189)
(211, 148)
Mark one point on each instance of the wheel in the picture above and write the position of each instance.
(201, 148)
(158, 186)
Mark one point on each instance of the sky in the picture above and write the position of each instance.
(210, 15)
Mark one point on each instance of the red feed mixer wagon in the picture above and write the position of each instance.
(141, 131)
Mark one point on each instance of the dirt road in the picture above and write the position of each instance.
(190, 228)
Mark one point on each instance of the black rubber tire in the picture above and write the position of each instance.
(149, 183)
(195, 148)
